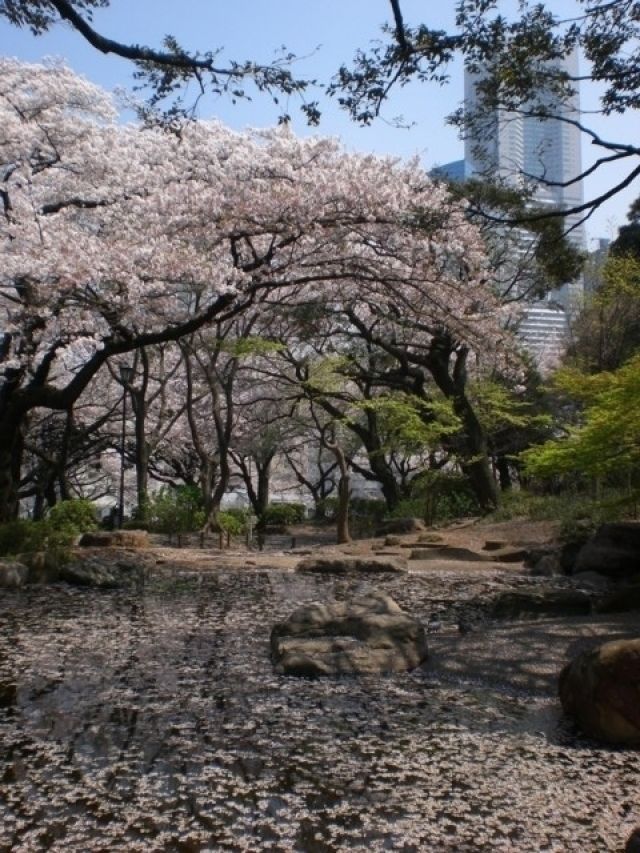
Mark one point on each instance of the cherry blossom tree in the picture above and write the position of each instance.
(117, 238)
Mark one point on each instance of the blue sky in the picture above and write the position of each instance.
(324, 34)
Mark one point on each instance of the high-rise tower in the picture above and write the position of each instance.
(543, 153)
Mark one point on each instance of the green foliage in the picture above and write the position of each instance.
(437, 496)
(75, 516)
(234, 521)
(608, 439)
(22, 536)
(628, 240)
(577, 513)
(65, 521)
(558, 259)
(326, 375)
(283, 514)
(411, 423)
(172, 510)
(250, 346)
(373, 509)
(367, 510)
(607, 332)
(498, 407)
(56, 533)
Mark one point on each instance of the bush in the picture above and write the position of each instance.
(22, 536)
(283, 514)
(329, 508)
(234, 520)
(176, 511)
(579, 514)
(438, 496)
(74, 516)
(370, 509)
(365, 509)
(54, 535)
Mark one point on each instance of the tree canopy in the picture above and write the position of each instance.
(119, 237)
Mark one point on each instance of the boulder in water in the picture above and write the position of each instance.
(366, 635)
(614, 551)
(104, 568)
(540, 603)
(600, 690)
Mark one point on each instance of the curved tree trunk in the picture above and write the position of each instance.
(473, 444)
(342, 522)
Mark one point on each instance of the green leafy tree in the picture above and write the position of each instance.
(606, 441)
(607, 333)
(628, 240)
(514, 419)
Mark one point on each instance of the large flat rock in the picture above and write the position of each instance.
(340, 565)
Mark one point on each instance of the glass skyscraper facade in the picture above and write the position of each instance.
(521, 150)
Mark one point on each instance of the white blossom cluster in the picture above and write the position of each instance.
(113, 232)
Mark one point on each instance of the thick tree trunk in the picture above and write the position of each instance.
(390, 487)
(142, 481)
(208, 476)
(262, 491)
(11, 453)
(478, 468)
(472, 443)
(142, 468)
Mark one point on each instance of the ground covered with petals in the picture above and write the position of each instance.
(152, 720)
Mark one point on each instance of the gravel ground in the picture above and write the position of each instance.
(154, 722)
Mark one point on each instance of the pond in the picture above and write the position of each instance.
(152, 721)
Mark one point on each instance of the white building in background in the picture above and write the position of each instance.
(509, 147)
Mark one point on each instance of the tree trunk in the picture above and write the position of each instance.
(478, 468)
(141, 461)
(473, 445)
(11, 452)
(504, 472)
(262, 492)
(342, 521)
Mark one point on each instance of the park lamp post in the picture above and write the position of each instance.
(126, 375)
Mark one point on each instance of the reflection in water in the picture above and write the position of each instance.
(154, 723)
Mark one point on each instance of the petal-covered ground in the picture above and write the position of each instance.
(152, 721)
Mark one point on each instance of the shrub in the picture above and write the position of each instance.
(439, 496)
(283, 514)
(329, 508)
(74, 516)
(234, 520)
(365, 509)
(172, 510)
(26, 537)
(372, 509)
(22, 536)
(578, 514)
